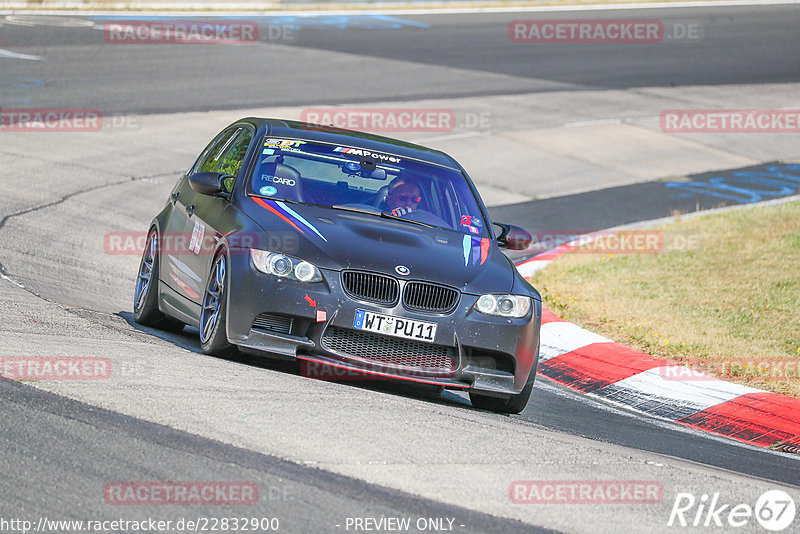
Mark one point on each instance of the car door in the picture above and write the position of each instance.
(176, 240)
(207, 216)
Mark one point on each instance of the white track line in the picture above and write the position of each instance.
(15, 55)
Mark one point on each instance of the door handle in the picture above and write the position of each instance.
(175, 196)
(190, 210)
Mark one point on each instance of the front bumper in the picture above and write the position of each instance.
(314, 323)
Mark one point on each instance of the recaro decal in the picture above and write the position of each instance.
(278, 180)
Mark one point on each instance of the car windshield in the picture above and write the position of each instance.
(357, 179)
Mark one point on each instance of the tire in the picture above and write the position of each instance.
(513, 405)
(145, 298)
(213, 333)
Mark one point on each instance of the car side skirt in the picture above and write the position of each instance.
(175, 305)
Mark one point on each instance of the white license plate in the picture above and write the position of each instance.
(394, 326)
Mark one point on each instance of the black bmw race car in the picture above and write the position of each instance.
(343, 249)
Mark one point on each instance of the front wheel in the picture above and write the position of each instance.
(213, 332)
(514, 404)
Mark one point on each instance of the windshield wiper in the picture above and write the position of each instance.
(381, 214)
(377, 213)
(387, 215)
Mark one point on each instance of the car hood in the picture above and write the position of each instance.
(338, 239)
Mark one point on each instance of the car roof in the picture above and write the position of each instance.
(329, 134)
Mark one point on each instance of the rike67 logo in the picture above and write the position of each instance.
(774, 510)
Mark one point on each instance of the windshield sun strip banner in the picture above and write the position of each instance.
(367, 154)
(380, 156)
(279, 143)
(295, 145)
(379, 165)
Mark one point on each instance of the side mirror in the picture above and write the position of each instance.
(210, 183)
(513, 237)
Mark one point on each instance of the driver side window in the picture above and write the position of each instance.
(210, 162)
(233, 159)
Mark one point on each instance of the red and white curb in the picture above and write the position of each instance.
(594, 365)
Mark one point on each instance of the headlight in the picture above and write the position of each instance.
(306, 272)
(504, 305)
(285, 266)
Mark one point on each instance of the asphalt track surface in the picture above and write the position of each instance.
(303, 499)
(81, 71)
(628, 204)
(478, 57)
